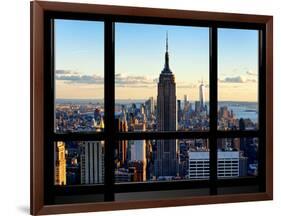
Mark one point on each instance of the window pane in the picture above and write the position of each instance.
(237, 157)
(79, 76)
(237, 79)
(79, 162)
(161, 160)
(162, 77)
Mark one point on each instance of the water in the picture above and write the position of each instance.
(242, 109)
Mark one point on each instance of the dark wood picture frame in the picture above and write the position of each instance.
(38, 53)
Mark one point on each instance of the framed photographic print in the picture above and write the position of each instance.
(142, 107)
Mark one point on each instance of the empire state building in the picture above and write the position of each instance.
(166, 159)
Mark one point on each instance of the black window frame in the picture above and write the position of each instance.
(110, 134)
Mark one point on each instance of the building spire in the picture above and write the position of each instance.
(166, 41)
(166, 66)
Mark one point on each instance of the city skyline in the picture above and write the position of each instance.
(137, 43)
(154, 160)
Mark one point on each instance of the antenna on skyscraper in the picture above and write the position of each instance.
(167, 41)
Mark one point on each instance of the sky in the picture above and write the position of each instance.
(139, 59)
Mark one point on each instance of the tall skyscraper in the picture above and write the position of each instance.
(243, 141)
(138, 154)
(179, 110)
(197, 107)
(166, 159)
(92, 162)
(202, 96)
(121, 149)
(185, 99)
(60, 164)
(186, 104)
(149, 107)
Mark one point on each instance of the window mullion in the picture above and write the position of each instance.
(262, 107)
(213, 108)
(109, 56)
(49, 92)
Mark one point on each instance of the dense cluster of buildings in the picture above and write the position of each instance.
(228, 121)
(78, 117)
(152, 160)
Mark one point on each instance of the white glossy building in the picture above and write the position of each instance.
(199, 166)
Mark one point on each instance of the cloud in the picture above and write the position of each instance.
(251, 80)
(84, 79)
(156, 80)
(251, 73)
(121, 80)
(134, 81)
(236, 79)
(66, 72)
